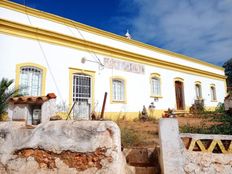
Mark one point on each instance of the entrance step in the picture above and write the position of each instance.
(181, 113)
(143, 160)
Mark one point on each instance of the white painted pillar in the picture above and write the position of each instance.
(171, 158)
(48, 110)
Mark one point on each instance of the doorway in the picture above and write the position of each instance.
(179, 90)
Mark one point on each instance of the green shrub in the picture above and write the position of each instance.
(222, 125)
(226, 124)
(197, 107)
(203, 129)
(5, 94)
(220, 108)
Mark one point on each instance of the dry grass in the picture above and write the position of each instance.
(63, 115)
(4, 117)
(145, 134)
(139, 134)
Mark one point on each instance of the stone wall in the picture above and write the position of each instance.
(193, 153)
(207, 153)
(207, 163)
(61, 147)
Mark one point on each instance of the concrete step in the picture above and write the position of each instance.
(142, 170)
(146, 170)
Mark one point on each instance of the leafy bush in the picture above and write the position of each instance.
(226, 124)
(202, 129)
(220, 108)
(197, 107)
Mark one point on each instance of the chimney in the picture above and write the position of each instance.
(127, 35)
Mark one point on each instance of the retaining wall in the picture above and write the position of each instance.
(61, 147)
(193, 153)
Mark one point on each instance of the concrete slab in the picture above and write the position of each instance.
(171, 158)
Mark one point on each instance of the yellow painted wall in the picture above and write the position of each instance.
(131, 115)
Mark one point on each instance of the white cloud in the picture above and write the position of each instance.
(197, 28)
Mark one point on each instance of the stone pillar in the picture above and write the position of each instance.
(10, 111)
(48, 109)
(171, 158)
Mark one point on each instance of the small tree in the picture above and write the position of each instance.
(5, 94)
(228, 72)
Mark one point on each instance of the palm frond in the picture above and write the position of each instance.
(6, 93)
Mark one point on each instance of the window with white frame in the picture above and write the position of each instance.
(198, 91)
(30, 80)
(155, 86)
(118, 90)
(213, 93)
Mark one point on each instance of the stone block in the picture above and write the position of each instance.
(171, 157)
(51, 143)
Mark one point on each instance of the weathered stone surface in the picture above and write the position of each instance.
(22, 166)
(207, 163)
(2, 169)
(171, 159)
(145, 170)
(63, 168)
(139, 157)
(190, 167)
(57, 138)
(48, 109)
(206, 136)
(142, 161)
(175, 156)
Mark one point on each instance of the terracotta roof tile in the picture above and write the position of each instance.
(51, 95)
(32, 99)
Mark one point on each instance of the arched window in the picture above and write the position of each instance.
(213, 93)
(118, 92)
(155, 85)
(31, 79)
(198, 90)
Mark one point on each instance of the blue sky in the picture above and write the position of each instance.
(197, 28)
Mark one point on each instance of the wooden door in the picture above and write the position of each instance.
(179, 95)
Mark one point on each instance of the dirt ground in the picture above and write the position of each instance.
(147, 132)
(191, 121)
